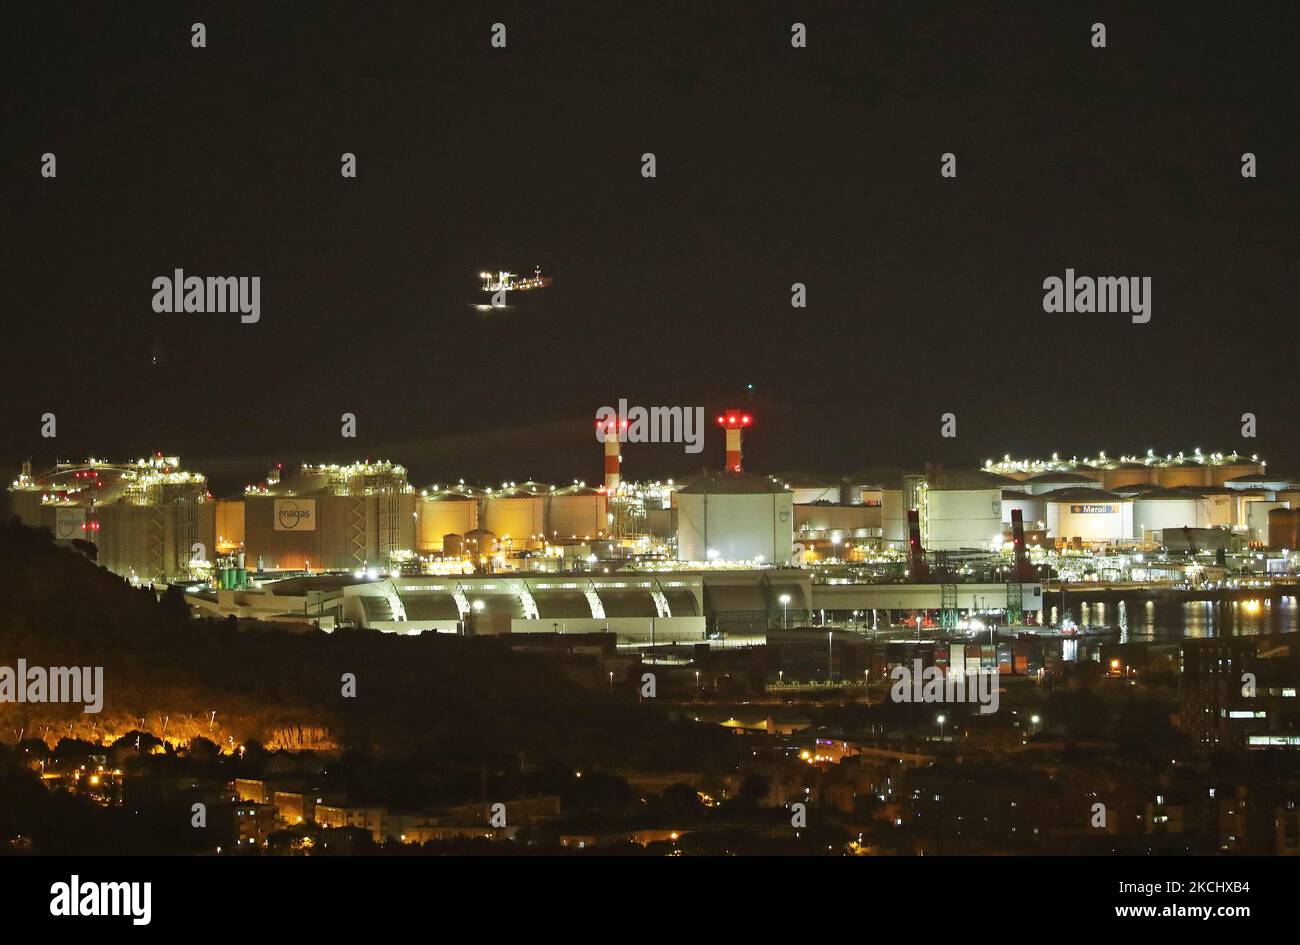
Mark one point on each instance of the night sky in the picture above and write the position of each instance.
(775, 165)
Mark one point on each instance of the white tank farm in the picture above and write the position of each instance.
(577, 511)
(444, 513)
(735, 517)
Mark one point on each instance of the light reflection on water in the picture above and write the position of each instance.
(1146, 620)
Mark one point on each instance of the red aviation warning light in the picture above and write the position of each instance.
(734, 421)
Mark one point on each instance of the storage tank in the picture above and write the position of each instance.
(333, 517)
(963, 518)
(480, 542)
(230, 524)
(810, 487)
(1051, 481)
(1182, 472)
(1094, 516)
(517, 516)
(443, 513)
(735, 517)
(1128, 474)
(578, 511)
(1159, 509)
(1233, 467)
(1283, 529)
(1033, 509)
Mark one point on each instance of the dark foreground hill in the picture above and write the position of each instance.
(422, 702)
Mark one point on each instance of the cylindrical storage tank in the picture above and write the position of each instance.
(1232, 469)
(1158, 510)
(735, 517)
(1033, 510)
(1182, 474)
(1283, 529)
(453, 546)
(480, 542)
(1093, 516)
(516, 516)
(578, 512)
(230, 523)
(444, 513)
(1128, 474)
(1050, 481)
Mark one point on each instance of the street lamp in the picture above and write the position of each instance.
(941, 719)
(785, 610)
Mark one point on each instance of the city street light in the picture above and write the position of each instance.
(941, 719)
(785, 610)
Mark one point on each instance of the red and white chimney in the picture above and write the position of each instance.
(608, 431)
(734, 421)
